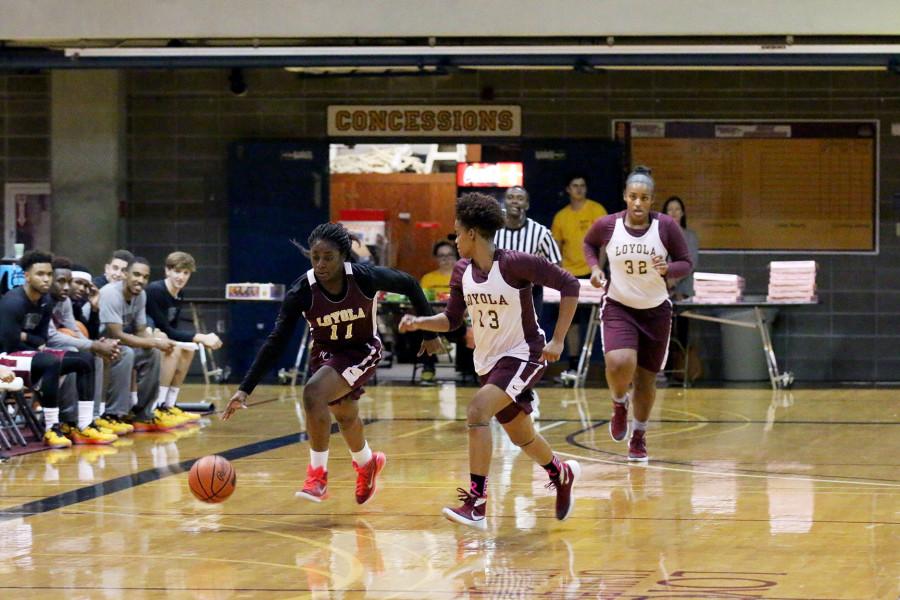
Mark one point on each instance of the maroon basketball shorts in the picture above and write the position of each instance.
(356, 364)
(516, 377)
(643, 330)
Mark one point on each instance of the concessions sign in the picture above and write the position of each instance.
(425, 121)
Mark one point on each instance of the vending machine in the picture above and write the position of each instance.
(488, 178)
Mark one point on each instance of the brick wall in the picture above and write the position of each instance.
(180, 125)
(24, 129)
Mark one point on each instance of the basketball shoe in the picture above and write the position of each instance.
(618, 424)
(183, 414)
(114, 424)
(54, 438)
(316, 486)
(366, 475)
(637, 447)
(564, 485)
(89, 435)
(472, 511)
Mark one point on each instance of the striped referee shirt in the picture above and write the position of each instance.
(531, 238)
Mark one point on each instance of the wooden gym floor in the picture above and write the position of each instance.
(746, 496)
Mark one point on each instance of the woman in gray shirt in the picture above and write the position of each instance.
(683, 288)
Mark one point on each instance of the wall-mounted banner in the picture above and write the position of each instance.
(425, 121)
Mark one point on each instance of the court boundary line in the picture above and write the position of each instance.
(123, 482)
(688, 467)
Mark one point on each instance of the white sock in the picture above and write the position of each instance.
(638, 425)
(85, 413)
(161, 399)
(318, 459)
(621, 400)
(173, 396)
(102, 408)
(362, 457)
(51, 416)
(134, 398)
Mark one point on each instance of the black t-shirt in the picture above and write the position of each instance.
(298, 300)
(164, 310)
(17, 314)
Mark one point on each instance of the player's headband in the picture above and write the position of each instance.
(640, 178)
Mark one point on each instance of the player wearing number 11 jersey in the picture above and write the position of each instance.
(337, 298)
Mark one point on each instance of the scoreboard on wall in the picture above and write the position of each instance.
(803, 186)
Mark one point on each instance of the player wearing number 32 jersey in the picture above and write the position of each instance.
(643, 248)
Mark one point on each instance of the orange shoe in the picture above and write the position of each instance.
(366, 475)
(316, 486)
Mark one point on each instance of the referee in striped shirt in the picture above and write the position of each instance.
(526, 235)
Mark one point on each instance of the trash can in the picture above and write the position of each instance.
(743, 358)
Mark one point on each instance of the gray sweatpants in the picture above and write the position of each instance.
(145, 361)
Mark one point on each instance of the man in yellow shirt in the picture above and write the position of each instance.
(570, 225)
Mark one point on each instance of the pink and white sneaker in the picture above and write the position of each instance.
(315, 488)
(472, 511)
(366, 475)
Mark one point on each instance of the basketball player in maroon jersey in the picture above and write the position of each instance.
(511, 352)
(636, 313)
(337, 298)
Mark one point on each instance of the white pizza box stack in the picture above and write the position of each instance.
(718, 288)
(587, 295)
(792, 281)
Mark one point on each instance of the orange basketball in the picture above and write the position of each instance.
(212, 479)
(82, 328)
(66, 331)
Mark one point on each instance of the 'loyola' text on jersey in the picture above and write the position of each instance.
(341, 316)
(485, 299)
(635, 249)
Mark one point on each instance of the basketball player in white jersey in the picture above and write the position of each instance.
(636, 314)
(511, 351)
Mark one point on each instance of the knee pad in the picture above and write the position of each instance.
(508, 413)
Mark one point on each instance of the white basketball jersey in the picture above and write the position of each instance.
(495, 308)
(632, 279)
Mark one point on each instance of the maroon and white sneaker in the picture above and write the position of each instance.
(316, 486)
(472, 511)
(366, 475)
(564, 485)
(637, 447)
(618, 424)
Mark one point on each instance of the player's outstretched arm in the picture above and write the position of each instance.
(438, 323)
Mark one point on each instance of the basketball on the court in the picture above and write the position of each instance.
(212, 479)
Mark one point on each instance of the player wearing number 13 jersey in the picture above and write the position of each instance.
(337, 298)
(643, 248)
(511, 351)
